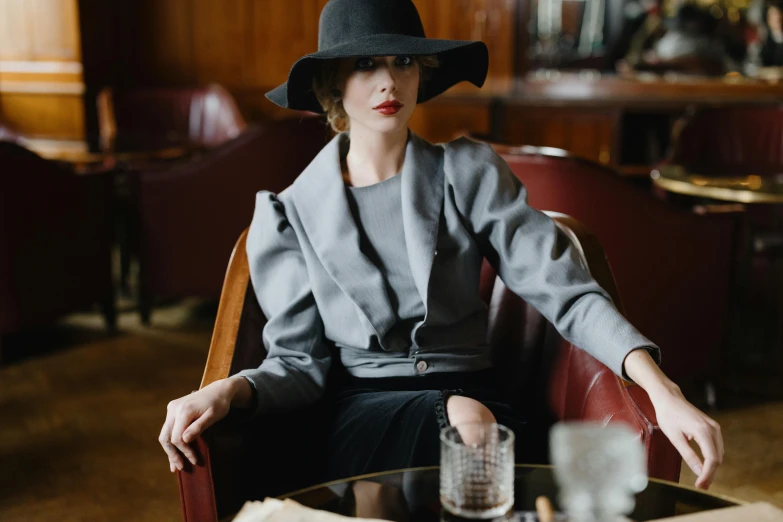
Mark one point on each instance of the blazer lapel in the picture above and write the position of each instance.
(319, 194)
(422, 205)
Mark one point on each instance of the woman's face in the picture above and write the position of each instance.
(368, 81)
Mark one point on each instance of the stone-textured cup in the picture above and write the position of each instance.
(477, 470)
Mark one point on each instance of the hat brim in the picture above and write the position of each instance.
(460, 60)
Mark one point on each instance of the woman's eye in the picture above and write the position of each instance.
(364, 63)
(405, 60)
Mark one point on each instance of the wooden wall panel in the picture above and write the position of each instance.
(282, 32)
(55, 30)
(157, 46)
(15, 43)
(222, 35)
(41, 74)
(44, 115)
(441, 120)
(491, 21)
(585, 132)
(249, 45)
(39, 30)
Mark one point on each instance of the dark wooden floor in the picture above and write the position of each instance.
(80, 412)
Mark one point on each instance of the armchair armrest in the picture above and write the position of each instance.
(196, 484)
(583, 388)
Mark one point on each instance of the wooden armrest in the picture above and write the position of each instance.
(229, 315)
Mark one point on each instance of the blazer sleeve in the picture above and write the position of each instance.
(293, 374)
(533, 257)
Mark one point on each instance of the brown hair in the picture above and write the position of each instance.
(325, 81)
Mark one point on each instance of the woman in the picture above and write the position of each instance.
(375, 251)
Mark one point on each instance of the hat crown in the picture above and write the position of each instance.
(346, 20)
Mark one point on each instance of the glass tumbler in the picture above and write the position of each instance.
(477, 470)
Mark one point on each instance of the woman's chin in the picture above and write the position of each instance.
(391, 123)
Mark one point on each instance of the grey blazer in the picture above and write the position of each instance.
(460, 203)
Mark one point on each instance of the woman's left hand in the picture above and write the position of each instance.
(682, 422)
(679, 420)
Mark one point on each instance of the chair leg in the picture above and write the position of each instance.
(109, 312)
(145, 306)
(145, 295)
(777, 304)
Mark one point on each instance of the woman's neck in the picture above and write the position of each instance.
(372, 156)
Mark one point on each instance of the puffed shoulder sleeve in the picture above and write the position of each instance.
(294, 371)
(534, 258)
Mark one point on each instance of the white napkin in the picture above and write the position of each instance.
(756, 512)
(274, 510)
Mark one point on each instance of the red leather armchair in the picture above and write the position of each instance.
(731, 140)
(236, 463)
(743, 141)
(55, 240)
(674, 268)
(188, 216)
(157, 118)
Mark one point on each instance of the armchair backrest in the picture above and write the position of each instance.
(176, 208)
(731, 140)
(673, 268)
(55, 238)
(202, 117)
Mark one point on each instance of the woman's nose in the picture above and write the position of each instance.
(386, 78)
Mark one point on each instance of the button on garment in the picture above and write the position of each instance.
(377, 210)
(421, 366)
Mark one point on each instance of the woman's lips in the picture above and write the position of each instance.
(390, 109)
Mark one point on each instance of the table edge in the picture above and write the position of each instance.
(720, 193)
(692, 489)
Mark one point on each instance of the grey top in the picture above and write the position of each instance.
(460, 203)
(377, 210)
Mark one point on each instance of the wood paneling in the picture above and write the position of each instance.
(55, 32)
(446, 119)
(39, 30)
(491, 21)
(249, 46)
(41, 75)
(589, 133)
(279, 38)
(15, 43)
(44, 115)
(222, 41)
(157, 44)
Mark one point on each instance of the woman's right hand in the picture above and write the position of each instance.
(188, 416)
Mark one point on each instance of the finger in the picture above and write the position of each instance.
(182, 420)
(199, 425)
(708, 448)
(688, 455)
(719, 442)
(165, 441)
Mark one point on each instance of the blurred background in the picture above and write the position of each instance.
(135, 133)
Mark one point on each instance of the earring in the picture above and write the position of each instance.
(337, 95)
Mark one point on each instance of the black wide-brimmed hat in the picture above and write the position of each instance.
(380, 28)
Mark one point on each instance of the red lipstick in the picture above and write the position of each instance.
(388, 107)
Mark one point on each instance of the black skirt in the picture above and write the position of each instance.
(382, 424)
